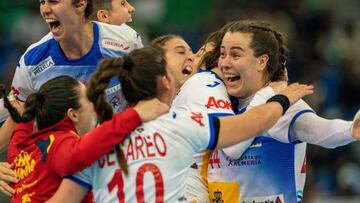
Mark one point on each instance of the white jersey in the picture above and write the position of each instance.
(45, 60)
(272, 169)
(158, 154)
(204, 91)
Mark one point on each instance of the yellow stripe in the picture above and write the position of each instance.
(52, 138)
(204, 167)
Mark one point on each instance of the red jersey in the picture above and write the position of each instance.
(43, 158)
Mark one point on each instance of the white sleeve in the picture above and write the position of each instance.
(22, 82)
(235, 151)
(281, 130)
(261, 97)
(316, 130)
(139, 43)
(83, 177)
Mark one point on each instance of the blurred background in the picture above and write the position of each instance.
(323, 37)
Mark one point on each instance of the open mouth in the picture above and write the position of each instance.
(232, 78)
(53, 24)
(187, 70)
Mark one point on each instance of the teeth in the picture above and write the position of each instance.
(50, 20)
(187, 70)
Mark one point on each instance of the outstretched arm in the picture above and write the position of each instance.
(69, 154)
(259, 119)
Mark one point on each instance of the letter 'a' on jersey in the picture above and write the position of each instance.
(45, 60)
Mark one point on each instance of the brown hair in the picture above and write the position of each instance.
(210, 59)
(49, 105)
(265, 40)
(138, 73)
(99, 5)
(159, 42)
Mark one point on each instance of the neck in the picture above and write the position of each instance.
(80, 43)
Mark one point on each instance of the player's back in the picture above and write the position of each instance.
(158, 154)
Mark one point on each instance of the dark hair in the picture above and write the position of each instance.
(265, 40)
(138, 73)
(98, 5)
(210, 59)
(49, 105)
(89, 7)
(159, 42)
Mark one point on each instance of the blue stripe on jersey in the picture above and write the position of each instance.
(80, 182)
(52, 48)
(212, 129)
(297, 115)
(212, 72)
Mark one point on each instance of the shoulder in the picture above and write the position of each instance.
(114, 39)
(116, 32)
(38, 51)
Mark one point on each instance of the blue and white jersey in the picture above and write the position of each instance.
(159, 154)
(45, 60)
(272, 169)
(205, 92)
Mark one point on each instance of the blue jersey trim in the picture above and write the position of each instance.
(80, 182)
(212, 129)
(212, 72)
(297, 115)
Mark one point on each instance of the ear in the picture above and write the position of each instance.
(73, 115)
(164, 83)
(81, 6)
(103, 16)
(263, 60)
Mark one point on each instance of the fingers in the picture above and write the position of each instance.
(6, 173)
(6, 189)
(278, 86)
(296, 91)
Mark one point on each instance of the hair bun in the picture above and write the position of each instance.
(128, 63)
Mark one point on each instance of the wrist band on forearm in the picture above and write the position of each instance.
(282, 100)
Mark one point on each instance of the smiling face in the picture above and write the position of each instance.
(63, 17)
(242, 71)
(179, 58)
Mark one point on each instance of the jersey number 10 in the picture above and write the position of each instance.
(118, 181)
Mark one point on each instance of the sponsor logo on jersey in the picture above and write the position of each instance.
(255, 145)
(42, 66)
(115, 45)
(218, 103)
(24, 165)
(249, 160)
(264, 199)
(113, 90)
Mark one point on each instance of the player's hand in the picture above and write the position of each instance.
(355, 127)
(7, 176)
(278, 86)
(296, 91)
(151, 109)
